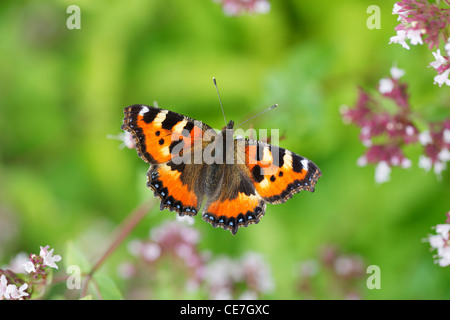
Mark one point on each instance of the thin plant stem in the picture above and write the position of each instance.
(119, 235)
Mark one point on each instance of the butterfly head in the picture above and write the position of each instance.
(229, 126)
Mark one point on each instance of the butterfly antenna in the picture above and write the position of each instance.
(220, 100)
(268, 109)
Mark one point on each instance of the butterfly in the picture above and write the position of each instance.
(190, 163)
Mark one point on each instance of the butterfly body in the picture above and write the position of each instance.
(190, 163)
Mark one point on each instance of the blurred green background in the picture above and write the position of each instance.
(63, 91)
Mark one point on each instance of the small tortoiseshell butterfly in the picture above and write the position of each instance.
(244, 175)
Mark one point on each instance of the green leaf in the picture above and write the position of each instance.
(107, 287)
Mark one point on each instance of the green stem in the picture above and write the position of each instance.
(122, 232)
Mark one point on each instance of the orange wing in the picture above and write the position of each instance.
(261, 174)
(158, 132)
(277, 173)
(178, 186)
(161, 137)
(237, 204)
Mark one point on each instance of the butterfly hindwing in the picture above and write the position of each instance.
(178, 186)
(237, 204)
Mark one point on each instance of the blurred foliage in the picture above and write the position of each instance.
(63, 91)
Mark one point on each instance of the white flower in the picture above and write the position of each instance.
(16, 264)
(362, 161)
(396, 9)
(43, 251)
(444, 255)
(185, 219)
(406, 163)
(255, 265)
(447, 47)
(10, 289)
(415, 36)
(425, 138)
(439, 167)
(395, 161)
(446, 135)
(397, 73)
(409, 130)
(135, 247)
(382, 172)
(440, 60)
(366, 142)
(386, 85)
(440, 241)
(21, 292)
(343, 265)
(400, 38)
(262, 6)
(436, 241)
(230, 9)
(444, 155)
(49, 258)
(151, 251)
(248, 295)
(29, 267)
(234, 7)
(3, 285)
(13, 293)
(222, 294)
(425, 163)
(443, 230)
(126, 138)
(442, 78)
(365, 136)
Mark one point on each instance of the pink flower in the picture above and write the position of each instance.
(384, 132)
(238, 7)
(421, 22)
(436, 145)
(224, 276)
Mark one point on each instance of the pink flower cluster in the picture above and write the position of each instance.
(385, 133)
(244, 278)
(343, 271)
(37, 266)
(177, 244)
(442, 66)
(238, 7)
(436, 143)
(423, 22)
(9, 289)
